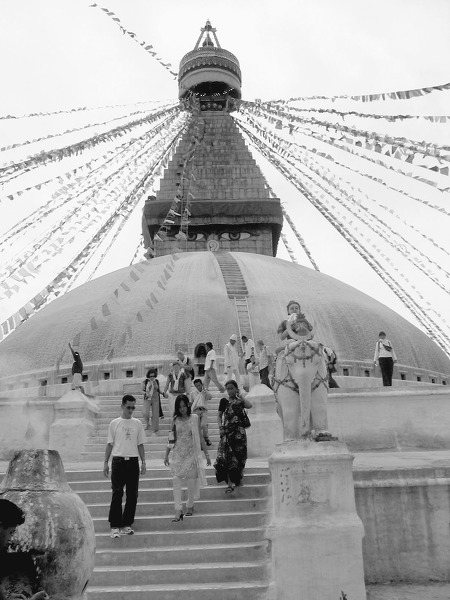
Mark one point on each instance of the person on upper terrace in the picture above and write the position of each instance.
(77, 370)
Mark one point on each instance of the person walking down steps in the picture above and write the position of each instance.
(152, 401)
(187, 443)
(210, 369)
(199, 406)
(126, 437)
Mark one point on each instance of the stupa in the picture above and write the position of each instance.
(211, 233)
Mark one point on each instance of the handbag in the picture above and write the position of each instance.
(172, 437)
(245, 420)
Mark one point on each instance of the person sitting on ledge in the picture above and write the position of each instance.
(297, 323)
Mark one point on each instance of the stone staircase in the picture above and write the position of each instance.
(237, 290)
(232, 275)
(219, 552)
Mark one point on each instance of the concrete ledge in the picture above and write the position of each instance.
(405, 516)
(391, 419)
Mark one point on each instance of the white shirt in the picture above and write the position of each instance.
(126, 435)
(200, 399)
(231, 356)
(263, 358)
(210, 357)
(382, 352)
(249, 349)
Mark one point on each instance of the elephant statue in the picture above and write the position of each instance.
(301, 388)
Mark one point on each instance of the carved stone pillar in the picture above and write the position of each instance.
(316, 533)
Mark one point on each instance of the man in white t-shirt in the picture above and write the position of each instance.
(231, 359)
(210, 369)
(126, 439)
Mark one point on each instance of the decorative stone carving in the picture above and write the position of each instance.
(315, 531)
(301, 388)
(58, 533)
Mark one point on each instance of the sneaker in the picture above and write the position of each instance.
(115, 532)
(126, 530)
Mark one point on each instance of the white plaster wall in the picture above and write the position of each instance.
(391, 420)
(406, 521)
(25, 424)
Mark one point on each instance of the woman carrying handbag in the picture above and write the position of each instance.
(232, 451)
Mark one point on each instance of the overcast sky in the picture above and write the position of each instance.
(60, 54)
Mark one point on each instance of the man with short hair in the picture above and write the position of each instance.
(231, 359)
(210, 369)
(11, 516)
(126, 439)
(249, 349)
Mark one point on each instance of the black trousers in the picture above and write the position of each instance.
(387, 368)
(264, 376)
(124, 474)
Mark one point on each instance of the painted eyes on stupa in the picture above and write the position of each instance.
(233, 236)
(196, 237)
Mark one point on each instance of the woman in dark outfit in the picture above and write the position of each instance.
(232, 450)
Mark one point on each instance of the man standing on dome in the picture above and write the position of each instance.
(231, 360)
(77, 370)
(126, 439)
(249, 349)
(385, 357)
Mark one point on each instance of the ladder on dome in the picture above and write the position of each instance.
(237, 291)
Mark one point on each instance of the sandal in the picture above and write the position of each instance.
(229, 489)
(179, 518)
(189, 511)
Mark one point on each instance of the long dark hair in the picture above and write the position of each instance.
(234, 383)
(178, 400)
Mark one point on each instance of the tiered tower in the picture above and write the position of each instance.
(212, 175)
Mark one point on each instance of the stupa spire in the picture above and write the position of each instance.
(205, 33)
(213, 195)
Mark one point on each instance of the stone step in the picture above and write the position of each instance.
(114, 411)
(251, 551)
(150, 445)
(180, 537)
(164, 523)
(159, 507)
(155, 472)
(152, 439)
(163, 478)
(157, 455)
(124, 575)
(189, 591)
(212, 492)
(164, 424)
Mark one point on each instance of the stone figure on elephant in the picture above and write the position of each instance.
(301, 379)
